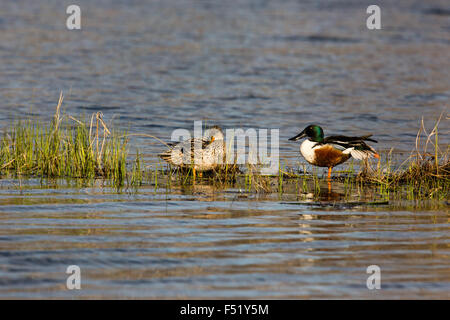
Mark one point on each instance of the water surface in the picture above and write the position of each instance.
(152, 67)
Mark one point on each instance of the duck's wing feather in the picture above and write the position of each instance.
(356, 146)
(181, 152)
(348, 140)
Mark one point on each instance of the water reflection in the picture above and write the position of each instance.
(155, 67)
(159, 244)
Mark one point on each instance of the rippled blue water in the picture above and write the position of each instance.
(155, 66)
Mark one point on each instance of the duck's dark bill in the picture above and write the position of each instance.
(299, 136)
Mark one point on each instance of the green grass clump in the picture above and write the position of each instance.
(66, 147)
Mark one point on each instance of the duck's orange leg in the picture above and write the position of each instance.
(329, 179)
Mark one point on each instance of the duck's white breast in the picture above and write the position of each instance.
(307, 151)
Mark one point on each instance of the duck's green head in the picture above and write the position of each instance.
(314, 132)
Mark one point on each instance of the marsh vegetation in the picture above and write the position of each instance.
(72, 148)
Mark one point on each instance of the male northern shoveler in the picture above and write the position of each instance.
(202, 154)
(333, 150)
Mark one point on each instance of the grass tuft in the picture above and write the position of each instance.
(67, 147)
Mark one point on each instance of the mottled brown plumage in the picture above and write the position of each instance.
(202, 154)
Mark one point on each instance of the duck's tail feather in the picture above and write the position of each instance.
(363, 154)
(362, 151)
(367, 138)
(166, 156)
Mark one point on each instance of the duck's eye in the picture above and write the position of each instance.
(212, 139)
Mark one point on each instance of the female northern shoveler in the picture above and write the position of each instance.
(202, 154)
(333, 150)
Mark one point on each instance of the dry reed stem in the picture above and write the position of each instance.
(146, 135)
